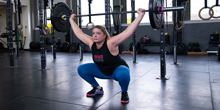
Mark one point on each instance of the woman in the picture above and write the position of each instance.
(107, 62)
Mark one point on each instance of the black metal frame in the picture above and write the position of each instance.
(42, 43)
(162, 53)
(16, 28)
(10, 36)
(134, 34)
(81, 44)
(107, 17)
(175, 17)
(54, 47)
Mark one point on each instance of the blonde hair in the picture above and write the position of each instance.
(103, 29)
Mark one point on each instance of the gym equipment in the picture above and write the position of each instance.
(211, 12)
(181, 27)
(65, 47)
(24, 36)
(74, 47)
(181, 23)
(156, 17)
(117, 20)
(90, 19)
(46, 29)
(10, 31)
(34, 46)
(1, 46)
(31, 45)
(61, 12)
(20, 26)
(4, 35)
(181, 48)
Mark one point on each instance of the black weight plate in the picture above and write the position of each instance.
(1, 46)
(73, 47)
(31, 45)
(58, 10)
(65, 47)
(181, 48)
(156, 20)
(37, 46)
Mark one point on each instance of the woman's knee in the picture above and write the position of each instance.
(124, 72)
(82, 70)
(86, 68)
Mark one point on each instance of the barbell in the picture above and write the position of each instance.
(60, 13)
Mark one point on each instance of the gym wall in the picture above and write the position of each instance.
(3, 23)
(194, 31)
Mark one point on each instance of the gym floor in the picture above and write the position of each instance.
(193, 85)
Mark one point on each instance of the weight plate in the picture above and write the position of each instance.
(181, 48)
(31, 45)
(73, 47)
(156, 20)
(58, 10)
(1, 46)
(65, 47)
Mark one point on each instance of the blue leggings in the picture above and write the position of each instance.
(90, 70)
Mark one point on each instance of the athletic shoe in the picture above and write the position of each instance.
(94, 91)
(124, 97)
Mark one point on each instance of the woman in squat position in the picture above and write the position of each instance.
(107, 62)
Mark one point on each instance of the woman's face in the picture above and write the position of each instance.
(98, 35)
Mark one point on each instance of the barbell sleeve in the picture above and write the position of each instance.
(156, 10)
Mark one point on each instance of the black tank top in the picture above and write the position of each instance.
(106, 62)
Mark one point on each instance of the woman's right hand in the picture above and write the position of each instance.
(72, 17)
(140, 11)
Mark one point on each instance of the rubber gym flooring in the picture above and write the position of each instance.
(193, 85)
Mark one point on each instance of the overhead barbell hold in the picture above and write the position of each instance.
(164, 9)
(61, 12)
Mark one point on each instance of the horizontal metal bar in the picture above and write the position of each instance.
(109, 13)
(212, 52)
(164, 9)
(173, 8)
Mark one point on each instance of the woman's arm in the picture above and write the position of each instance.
(78, 32)
(118, 39)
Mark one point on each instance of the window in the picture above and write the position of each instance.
(196, 5)
(97, 6)
(48, 16)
